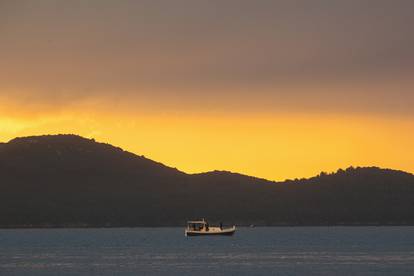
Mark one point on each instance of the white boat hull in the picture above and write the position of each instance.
(211, 231)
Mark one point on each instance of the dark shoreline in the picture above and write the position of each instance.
(67, 181)
(183, 225)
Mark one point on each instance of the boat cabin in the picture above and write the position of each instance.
(197, 225)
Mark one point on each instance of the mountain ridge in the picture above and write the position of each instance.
(68, 180)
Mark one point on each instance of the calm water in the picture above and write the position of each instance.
(252, 251)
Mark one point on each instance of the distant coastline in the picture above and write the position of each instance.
(66, 181)
(81, 226)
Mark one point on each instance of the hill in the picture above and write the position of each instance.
(67, 180)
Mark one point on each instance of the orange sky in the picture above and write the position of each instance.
(275, 89)
(272, 146)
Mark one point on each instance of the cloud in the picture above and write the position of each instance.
(193, 52)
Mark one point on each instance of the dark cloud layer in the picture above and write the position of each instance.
(195, 50)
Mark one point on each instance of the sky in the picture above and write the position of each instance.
(275, 89)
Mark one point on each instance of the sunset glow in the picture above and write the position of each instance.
(273, 146)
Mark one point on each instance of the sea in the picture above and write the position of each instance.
(166, 251)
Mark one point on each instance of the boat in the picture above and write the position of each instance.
(202, 228)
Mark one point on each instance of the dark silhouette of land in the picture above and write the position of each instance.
(70, 181)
